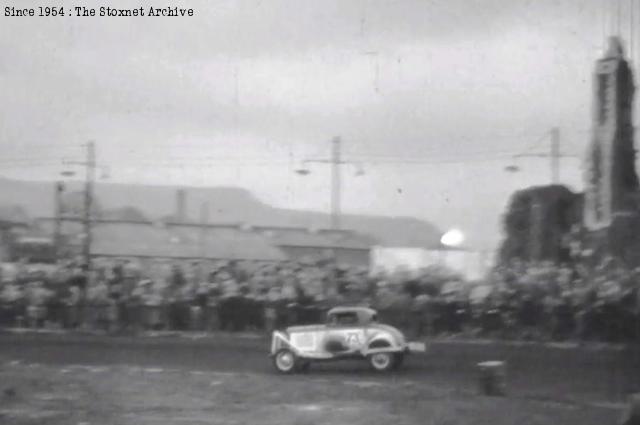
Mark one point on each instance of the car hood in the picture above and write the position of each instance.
(307, 328)
(377, 326)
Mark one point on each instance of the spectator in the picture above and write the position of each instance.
(525, 300)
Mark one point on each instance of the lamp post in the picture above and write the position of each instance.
(58, 213)
(90, 169)
(90, 166)
(59, 188)
(336, 178)
(554, 156)
(335, 183)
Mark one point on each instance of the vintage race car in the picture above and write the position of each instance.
(350, 332)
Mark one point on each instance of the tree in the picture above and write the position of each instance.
(538, 221)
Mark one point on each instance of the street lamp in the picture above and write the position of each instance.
(553, 155)
(90, 167)
(57, 231)
(335, 161)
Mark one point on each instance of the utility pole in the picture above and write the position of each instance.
(555, 155)
(335, 161)
(204, 220)
(57, 202)
(90, 165)
(335, 182)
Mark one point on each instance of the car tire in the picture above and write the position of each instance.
(382, 362)
(285, 361)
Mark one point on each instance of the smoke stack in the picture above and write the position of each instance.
(181, 205)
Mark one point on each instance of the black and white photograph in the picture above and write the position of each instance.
(319, 212)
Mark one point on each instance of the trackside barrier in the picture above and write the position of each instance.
(492, 378)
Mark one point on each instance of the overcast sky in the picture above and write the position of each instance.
(431, 96)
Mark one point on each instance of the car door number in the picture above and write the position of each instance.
(353, 339)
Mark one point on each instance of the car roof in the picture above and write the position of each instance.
(360, 311)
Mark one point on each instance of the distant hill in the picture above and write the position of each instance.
(225, 204)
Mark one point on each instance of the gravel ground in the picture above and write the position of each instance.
(119, 394)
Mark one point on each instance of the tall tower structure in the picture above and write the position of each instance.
(611, 182)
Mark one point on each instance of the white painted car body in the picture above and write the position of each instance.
(350, 332)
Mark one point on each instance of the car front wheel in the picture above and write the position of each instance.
(285, 361)
(382, 362)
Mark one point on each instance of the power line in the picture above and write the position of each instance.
(36, 144)
(537, 143)
(29, 165)
(29, 160)
(198, 163)
(381, 161)
(433, 156)
(428, 154)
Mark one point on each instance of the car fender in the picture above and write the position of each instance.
(386, 341)
(280, 340)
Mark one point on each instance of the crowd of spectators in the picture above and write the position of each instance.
(540, 301)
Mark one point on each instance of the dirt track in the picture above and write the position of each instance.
(104, 380)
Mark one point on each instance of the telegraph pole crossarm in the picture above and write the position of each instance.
(336, 179)
(554, 155)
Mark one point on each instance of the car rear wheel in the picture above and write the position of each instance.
(382, 362)
(285, 361)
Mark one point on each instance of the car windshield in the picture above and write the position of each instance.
(343, 319)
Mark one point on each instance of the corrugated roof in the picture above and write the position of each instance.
(321, 239)
(224, 241)
(13, 214)
(123, 239)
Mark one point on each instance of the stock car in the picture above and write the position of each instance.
(350, 332)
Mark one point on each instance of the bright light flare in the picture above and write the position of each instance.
(453, 237)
